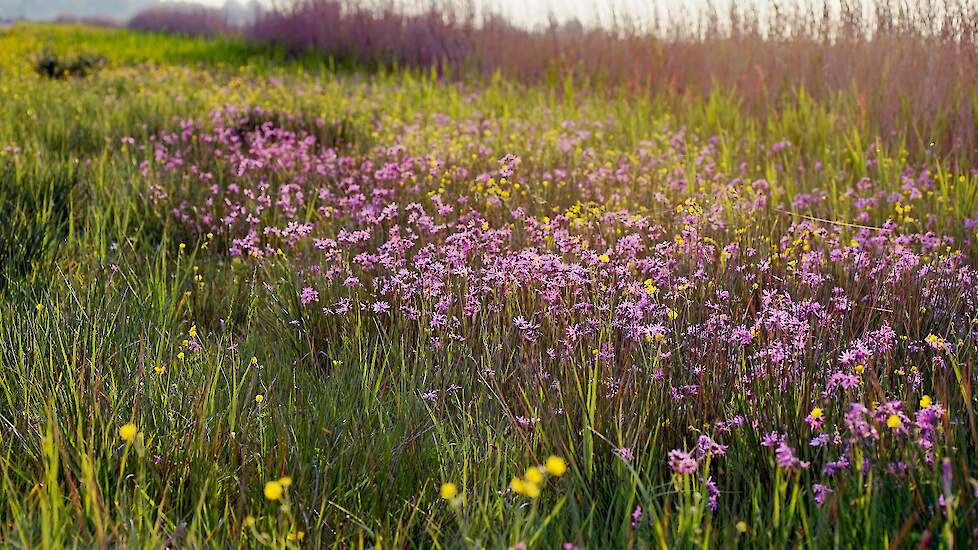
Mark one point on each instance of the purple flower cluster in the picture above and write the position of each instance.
(649, 263)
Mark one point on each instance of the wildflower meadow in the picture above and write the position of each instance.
(255, 296)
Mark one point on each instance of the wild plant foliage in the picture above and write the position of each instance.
(249, 299)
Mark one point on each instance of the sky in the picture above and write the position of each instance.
(522, 12)
(590, 12)
(525, 13)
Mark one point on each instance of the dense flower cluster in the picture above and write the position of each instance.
(666, 261)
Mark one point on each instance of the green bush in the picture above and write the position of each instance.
(51, 65)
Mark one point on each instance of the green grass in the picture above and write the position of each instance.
(99, 286)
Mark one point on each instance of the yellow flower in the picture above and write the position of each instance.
(254, 360)
(533, 475)
(816, 413)
(180, 356)
(556, 466)
(860, 368)
(273, 490)
(259, 398)
(448, 491)
(159, 369)
(296, 535)
(893, 422)
(741, 526)
(128, 432)
(193, 331)
(926, 401)
(604, 258)
(285, 481)
(39, 307)
(517, 485)
(249, 521)
(531, 489)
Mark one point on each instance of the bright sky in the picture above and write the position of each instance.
(533, 12)
(526, 13)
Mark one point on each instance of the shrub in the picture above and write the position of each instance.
(52, 65)
(181, 19)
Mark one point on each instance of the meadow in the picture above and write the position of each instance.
(259, 298)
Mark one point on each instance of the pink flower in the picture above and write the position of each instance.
(308, 294)
(786, 458)
(821, 492)
(682, 462)
(705, 446)
(636, 516)
(625, 454)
